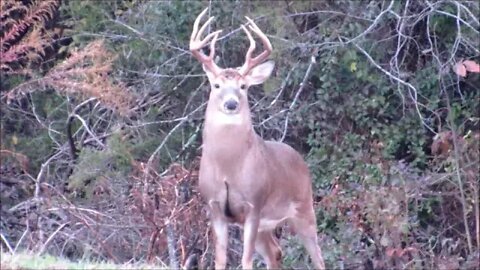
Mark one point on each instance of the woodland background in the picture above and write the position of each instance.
(102, 108)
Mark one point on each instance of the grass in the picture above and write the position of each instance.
(32, 261)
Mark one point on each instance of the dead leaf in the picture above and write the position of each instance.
(460, 69)
(391, 252)
(471, 66)
(407, 250)
(441, 143)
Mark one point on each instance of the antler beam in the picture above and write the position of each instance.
(267, 46)
(196, 43)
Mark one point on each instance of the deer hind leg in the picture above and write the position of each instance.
(268, 247)
(305, 229)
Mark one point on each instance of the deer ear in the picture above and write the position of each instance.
(260, 73)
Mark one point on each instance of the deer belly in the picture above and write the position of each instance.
(270, 222)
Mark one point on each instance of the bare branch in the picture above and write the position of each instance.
(299, 91)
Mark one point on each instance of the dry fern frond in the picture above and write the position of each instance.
(9, 9)
(36, 14)
(24, 41)
(25, 37)
(30, 49)
(86, 72)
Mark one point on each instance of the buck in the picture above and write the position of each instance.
(247, 181)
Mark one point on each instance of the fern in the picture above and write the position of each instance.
(24, 35)
(85, 73)
(24, 41)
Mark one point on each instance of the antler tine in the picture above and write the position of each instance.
(252, 47)
(249, 61)
(265, 41)
(196, 43)
(195, 26)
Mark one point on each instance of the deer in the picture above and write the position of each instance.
(243, 179)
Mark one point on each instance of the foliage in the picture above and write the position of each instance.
(96, 170)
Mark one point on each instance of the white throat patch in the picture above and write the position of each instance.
(227, 119)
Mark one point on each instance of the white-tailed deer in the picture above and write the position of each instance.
(254, 183)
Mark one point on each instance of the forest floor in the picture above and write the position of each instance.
(33, 261)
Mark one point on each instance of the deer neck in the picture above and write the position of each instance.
(228, 140)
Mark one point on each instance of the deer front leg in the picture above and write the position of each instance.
(221, 234)
(220, 227)
(250, 231)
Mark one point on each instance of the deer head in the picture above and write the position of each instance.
(229, 86)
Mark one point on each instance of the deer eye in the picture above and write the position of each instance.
(216, 85)
(243, 86)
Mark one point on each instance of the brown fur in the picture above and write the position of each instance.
(264, 179)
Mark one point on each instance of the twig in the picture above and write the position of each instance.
(182, 121)
(370, 28)
(71, 142)
(128, 27)
(42, 249)
(171, 247)
(37, 199)
(284, 84)
(297, 95)
(334, 12)
(409, 85)
(4, 239)
(19, 242)
(85, 125)
(190, 141)
(41, 175)
(456, 152)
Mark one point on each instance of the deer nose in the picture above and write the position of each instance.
(231, 105)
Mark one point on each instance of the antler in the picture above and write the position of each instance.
(249, 61)
(196, 44)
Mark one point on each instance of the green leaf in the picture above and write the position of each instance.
(353, 66)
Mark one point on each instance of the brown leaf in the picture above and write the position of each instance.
(391, 252)
(471, 66)
(407, 250)
(441, 143)
(460, 69)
